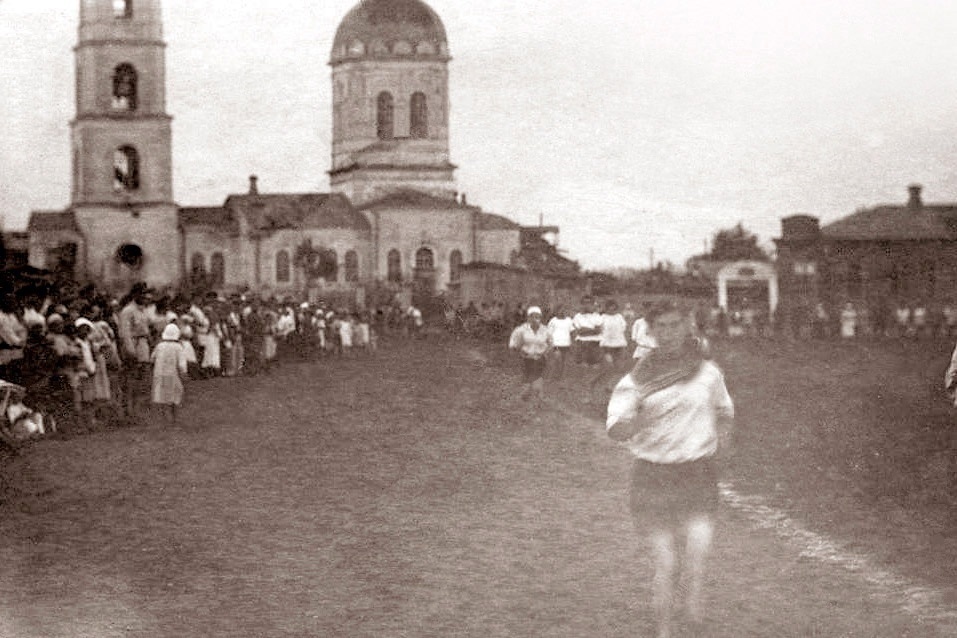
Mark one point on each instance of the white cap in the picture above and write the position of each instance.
(533, 310)
(171, 333)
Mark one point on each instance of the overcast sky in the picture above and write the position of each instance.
(634, 125)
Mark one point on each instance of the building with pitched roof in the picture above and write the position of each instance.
(876, 257)
(393, 215)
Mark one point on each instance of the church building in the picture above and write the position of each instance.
(393, 215)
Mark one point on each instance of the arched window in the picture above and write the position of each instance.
(122, 8)
(217, 269)
(394, 266)
(424, 259)
(385, 108)
(130, 255)
(197, 266)
(455, 265)
(352, 266)
(126, 169)
(124, 87)
(418, 116)
(282, 266)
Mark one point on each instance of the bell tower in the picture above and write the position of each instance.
(122, 187)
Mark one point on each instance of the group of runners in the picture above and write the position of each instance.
(671, 410)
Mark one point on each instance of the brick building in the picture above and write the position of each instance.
(874, 258)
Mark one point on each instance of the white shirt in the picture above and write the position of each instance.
(679, 423)
(532, 343)
(613, 329)
(587, 321)
(644, 342)
(561, 331)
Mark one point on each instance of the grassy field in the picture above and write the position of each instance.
(408, 495)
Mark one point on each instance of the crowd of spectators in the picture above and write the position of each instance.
(85, 359)
(848, 320)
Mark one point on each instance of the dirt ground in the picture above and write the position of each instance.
(407, 494)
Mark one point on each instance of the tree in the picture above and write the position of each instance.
(736, 244)
(315, 261)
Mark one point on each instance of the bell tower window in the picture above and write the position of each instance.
(122, 8)
(130, 255)
(126, 169)
(418, 116)
(385, 113)
(124, 87)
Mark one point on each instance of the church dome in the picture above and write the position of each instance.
(390, 29)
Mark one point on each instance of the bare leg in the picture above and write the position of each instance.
(663, 553)
(538, 387)
(700, 531)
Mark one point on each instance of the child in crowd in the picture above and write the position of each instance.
(345, 335)
(362, 337)
(169, 368)
(85, 373)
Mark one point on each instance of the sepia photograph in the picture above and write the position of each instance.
(411, 318)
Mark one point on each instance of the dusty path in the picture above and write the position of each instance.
(359, 499)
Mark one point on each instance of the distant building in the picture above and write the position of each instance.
(16, 249)
(888, 254)
(393, 216)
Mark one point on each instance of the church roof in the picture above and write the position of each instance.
(216, 216)
(896, 223)
(52, 220)
(390, 29)
(491, 221)
(298, 211)
(410, 198)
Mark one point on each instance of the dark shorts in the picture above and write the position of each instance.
(614, 354)
(589, 352)
(668, 494)
(533, 369)
(136, 375)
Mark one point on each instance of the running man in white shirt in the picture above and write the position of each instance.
(533, 341)
(644, 342)
(674, 414)
(587, 324)
(561, 328)
(613, 339)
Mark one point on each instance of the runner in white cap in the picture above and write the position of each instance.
(533, 341)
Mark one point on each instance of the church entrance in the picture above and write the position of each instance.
(424, 273)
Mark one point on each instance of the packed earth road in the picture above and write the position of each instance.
(408, 493)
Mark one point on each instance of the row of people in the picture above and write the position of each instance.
(91, 359)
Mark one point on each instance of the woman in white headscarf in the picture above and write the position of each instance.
(169, 368)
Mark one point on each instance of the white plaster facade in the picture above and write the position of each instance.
(391, 179)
